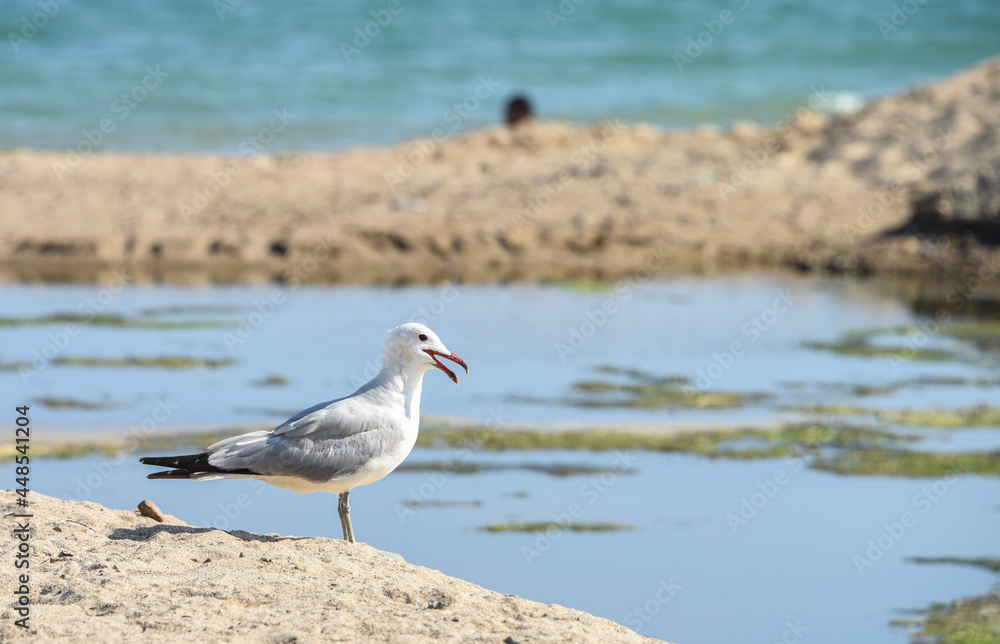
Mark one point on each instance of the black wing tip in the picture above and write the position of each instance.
(171, 474)
(183, 467)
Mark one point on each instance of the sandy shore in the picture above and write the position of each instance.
(907, 186)
(107, 575)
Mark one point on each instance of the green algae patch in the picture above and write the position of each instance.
(187, 309)
(271, 381)
(63, 318)
(848, 450)
(467, 467)
(545, 526)
(909, 464)
(864, 390)
(177, 325)
(973, 620)
(984, 335)
(861, 348)
(924, 381)
(452, 467)
(986, 563)
(161, 362)
(940, 418)
(110, 320)
(944, 418)
(75, 449)
(54, 402)
(129, 445)
(969, 328)
(442, 503)
(741, 443)
(633, 388)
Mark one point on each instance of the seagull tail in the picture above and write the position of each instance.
(192, 466)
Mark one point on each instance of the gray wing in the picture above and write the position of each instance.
(326, 441)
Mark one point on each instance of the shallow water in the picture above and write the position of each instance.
(792, 561)
(525, 345)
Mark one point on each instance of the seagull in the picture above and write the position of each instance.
(338, 445)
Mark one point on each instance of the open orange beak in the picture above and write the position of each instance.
(447, 356)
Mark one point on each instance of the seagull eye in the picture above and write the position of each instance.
(422, 337)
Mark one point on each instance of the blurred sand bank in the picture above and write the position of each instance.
(908, 185)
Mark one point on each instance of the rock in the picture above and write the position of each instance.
(148, 509)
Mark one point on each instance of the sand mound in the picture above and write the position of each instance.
(547, 201)
(108, 575)
(933, 134)
(940, 144)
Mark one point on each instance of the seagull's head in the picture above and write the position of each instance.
(415, 344)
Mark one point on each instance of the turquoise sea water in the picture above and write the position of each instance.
(203, 76)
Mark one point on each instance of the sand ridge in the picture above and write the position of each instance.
(110, 575)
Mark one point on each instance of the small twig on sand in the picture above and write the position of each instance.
(77, 523)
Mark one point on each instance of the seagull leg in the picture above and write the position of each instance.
(345, 516)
